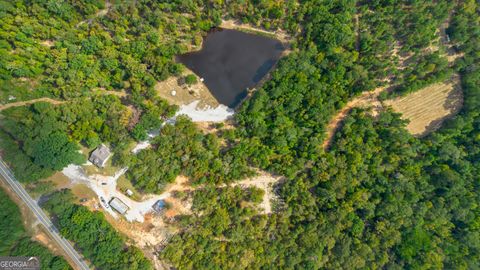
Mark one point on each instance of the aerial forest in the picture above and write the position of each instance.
(16, 241)
(376, 198)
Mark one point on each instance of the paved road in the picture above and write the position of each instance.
(33, 206)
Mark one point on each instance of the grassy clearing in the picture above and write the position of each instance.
(185, 94)
(81, 191)
(123, 184)
(108, 170)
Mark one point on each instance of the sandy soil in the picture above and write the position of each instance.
(47, 43)
(28, 102)
(147, 236)
(141, 145)
(263, 181)
(54, 101)
(181, 184)
(152, 230)
(427, 108)
(443, 41)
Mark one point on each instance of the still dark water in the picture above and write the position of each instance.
(232, 61)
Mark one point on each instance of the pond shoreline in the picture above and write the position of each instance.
(231, 62)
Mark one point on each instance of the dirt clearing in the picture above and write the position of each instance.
(177, 92)
(266, 182)
(427, 108)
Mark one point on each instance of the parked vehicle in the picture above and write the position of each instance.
(104, 202)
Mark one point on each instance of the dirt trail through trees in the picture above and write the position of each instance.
(366, 99)
(28, 102)
(370, 99)
(119, 94)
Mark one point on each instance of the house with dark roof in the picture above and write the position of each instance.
(100, 156)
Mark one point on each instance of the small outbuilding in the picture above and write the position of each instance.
(159, 206)
(100, 156)
(118, 205)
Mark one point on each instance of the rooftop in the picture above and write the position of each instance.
(159, 205)
(118, 205)
(100, 155)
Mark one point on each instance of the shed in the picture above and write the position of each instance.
(159, 206)
(118, 205)
(100, 156)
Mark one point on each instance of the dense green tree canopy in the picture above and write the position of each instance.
(16, 241)
(376, 198)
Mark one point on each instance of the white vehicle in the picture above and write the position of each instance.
(104, 202)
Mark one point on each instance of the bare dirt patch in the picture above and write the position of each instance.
(176, 92)
(266, 182)
(147, 236)
(46, 241)
(427, 108)
(451, 53)
(181, 184)
(47, 43)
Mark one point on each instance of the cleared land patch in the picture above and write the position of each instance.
(175, 91)
(427, 108)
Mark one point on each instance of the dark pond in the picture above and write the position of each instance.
(232, 61)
